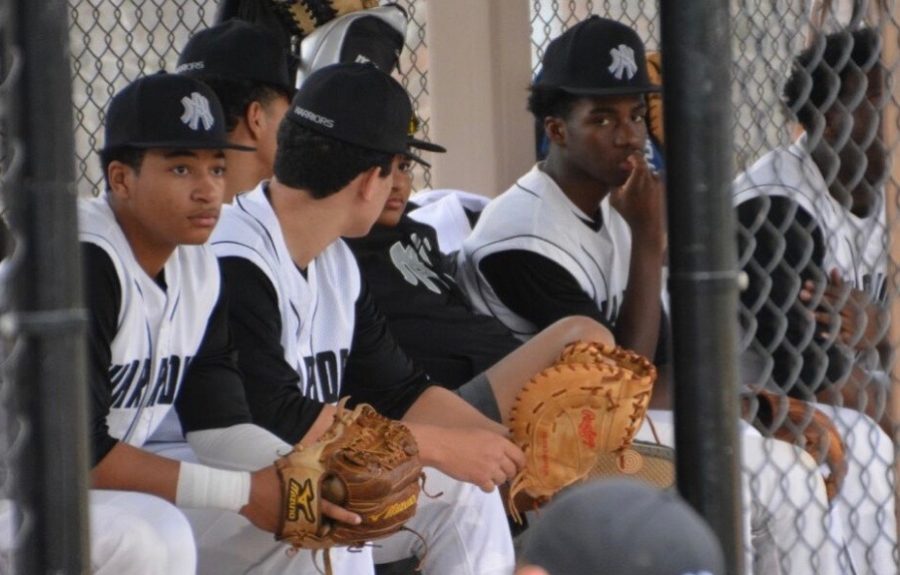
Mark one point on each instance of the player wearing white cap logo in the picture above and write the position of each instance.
(582, 234)
(160, 350)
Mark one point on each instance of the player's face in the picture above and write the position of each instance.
(369, 209)
(175, 198)
(401, 189)
(862, 155)
(601, 133)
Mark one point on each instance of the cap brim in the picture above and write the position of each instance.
(183, 146)
(427, 146)
(618, 91)
(416, 158)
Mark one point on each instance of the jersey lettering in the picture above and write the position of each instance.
(324, 374)
(128, 386)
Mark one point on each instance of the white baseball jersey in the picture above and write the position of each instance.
(535, 215)
(317, 307)
(855, 246)
(159, 330)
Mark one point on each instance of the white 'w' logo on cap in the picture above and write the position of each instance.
(196, 110)
(622, 62)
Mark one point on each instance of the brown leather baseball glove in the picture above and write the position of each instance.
(799, 422)
(365, 463)
(592, 401)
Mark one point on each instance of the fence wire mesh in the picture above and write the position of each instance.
(817, 220)
(814, 223)
(113, 42)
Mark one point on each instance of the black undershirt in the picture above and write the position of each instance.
(543, 292)
(377, 372)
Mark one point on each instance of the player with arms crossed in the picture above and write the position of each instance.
(814, 210)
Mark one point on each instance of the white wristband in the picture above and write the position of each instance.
(205, 487)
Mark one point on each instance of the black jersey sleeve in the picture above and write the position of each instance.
(542, 291)
(212, 394)
(537, 288)
(270, 383)
(103, 296)
(780, 247)
(378, 370)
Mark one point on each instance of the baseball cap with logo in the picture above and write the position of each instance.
(621, 526)
(166, 111)
(357, 104)
(238, 50)
(597, 57)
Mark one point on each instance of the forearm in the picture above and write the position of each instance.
(441, 407)
(127, 468)
(637, 326)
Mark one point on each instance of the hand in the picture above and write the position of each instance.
(820, 438)
(265, 505)
(531, 570)
(846, 313)
(480, 457)
(641, 202)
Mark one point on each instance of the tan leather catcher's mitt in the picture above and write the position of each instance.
(364, 462)
(592, 401)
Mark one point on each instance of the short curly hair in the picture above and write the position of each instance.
(321, 164)
(820, 70)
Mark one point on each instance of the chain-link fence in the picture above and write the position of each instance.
(114, 42)
(814, 214)
(816, 205)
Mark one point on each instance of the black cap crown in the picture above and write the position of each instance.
(166, 111)
(355, 103)
(597, 57)
(238, 50)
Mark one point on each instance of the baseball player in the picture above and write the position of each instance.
(413, 285)
(814, 210)
(582, 233)
(247, 69)
(472, 344)
(159, 340)
(307, 331)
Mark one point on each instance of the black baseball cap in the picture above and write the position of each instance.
(239, 50)
(597, 57)
(357, 104)
(621, 526)
(166, 111)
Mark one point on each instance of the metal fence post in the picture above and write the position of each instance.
(702, 282)
(50, 461)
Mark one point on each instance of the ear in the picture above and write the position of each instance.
(371, 183)
(555, 129)
(255, 119)
(120, 177)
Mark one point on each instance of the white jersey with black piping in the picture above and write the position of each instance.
(316, 305)
(535, 215)
(853, 245)
(160, 328)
